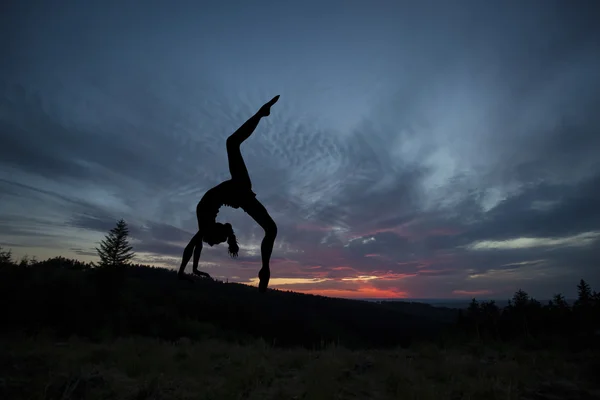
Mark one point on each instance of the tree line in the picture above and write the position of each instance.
(524, 317)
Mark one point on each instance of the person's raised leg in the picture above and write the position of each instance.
(259, 213)
(237, 166)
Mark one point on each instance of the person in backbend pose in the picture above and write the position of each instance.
(235, 192)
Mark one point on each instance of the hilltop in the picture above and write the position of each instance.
(71, 298)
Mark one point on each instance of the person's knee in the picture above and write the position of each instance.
(232, 143)
(271, 230)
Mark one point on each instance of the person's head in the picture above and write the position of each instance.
(219, 233)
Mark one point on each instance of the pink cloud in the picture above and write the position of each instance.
(250, 262)
(363, 291)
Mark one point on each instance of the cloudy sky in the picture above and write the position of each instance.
(431, 149)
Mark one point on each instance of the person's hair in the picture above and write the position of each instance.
(233, 248)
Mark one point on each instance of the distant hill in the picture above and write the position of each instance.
(69, 298)
(454, 303)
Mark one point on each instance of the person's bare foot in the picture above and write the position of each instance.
(185, 277)
(264, 275)
(202, 274)
(265, 110)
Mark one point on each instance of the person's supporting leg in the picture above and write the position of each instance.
(259, 213)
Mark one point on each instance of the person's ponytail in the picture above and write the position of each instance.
(233, 248)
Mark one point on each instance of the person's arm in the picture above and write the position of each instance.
(188, 252)
(197, 252)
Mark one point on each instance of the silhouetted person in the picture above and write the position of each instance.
(235, 192)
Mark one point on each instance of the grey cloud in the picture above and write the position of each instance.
(576, 210)
(94, 223)
(159, 247)
(84, 252)
(428, 118)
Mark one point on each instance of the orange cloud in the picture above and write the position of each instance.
(361, 278)
(342, 269)
(390, 276)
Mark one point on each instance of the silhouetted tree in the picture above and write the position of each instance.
(557, 315)
(490, 315)
(519, 308)
(5, 257)
(520, 299)
(115, 249)
(559, 302)
(474, 315)
(583, 308)
(584, 294)
(24, 261)
(596, 298)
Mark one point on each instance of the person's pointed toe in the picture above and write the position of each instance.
(264, 276)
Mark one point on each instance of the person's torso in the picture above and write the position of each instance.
(227, 193)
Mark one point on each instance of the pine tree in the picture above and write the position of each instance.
(5, 256)
(474, 314)
(596, 298)
(584, 293)
(521, 303)
(559, 302)
(520, 299)
(583, 308)
(115, 249)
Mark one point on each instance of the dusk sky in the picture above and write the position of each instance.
(430, 149)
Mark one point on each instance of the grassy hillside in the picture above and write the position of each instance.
(67, 299)
(144, 368)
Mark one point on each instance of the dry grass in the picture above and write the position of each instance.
(143, 368)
